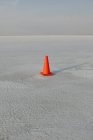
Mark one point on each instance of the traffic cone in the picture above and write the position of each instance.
(46, 68)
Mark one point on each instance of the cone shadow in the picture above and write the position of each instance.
(67, 68)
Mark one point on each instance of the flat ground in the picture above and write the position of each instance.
(33, 107)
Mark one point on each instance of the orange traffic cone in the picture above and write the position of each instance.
(46, 68)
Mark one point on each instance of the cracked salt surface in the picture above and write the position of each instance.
(46, 108)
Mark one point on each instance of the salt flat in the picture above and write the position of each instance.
(33, 107)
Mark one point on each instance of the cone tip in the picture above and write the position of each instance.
(46, 56)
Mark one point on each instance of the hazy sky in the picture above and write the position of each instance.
(28, 17)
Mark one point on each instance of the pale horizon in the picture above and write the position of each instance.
(51, 17)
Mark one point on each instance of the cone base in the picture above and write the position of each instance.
(49, 74)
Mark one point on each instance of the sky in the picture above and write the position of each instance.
(46, 17)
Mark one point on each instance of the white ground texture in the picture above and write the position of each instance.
(33, 107)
